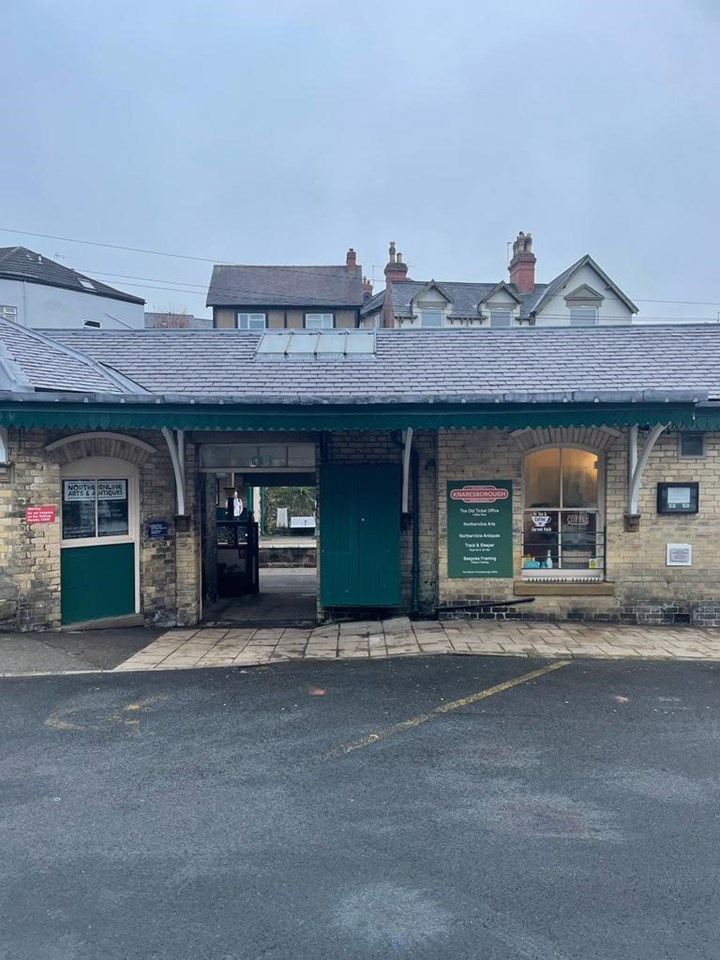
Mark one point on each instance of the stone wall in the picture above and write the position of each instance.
(207, 496)
(647, 590)
(644, 589)
(638, 587)
(30, 553)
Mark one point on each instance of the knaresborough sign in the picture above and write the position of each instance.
(479, 528)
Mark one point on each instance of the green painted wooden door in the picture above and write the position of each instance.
(97, 582)
(360, 535)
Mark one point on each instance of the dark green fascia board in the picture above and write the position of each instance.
(391, 416)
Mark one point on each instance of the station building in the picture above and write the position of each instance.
(546, 473)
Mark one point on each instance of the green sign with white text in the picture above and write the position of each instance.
(479, 528)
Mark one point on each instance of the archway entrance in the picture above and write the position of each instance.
(259, 543)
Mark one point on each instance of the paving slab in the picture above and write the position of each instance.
(399, 637)
(137, 649)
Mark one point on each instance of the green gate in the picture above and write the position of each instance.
(97, 582)
(360, 535)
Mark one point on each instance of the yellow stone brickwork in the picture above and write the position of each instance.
(642, 588)
(645, 589)
(30, 553)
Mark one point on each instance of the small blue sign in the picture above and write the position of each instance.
(157, 529)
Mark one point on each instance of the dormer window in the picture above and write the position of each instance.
(431, 318)
(584, 304)
(583, 316)
(500, 317)
(431, 306)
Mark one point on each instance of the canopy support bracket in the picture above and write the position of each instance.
(637, 461)
(176, 446)
(407, 450)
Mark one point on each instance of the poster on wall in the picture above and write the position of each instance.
(479, 528)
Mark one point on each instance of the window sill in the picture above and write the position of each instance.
(563, 588)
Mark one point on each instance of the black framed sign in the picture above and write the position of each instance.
(678, 497)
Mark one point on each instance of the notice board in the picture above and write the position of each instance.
(479, 528)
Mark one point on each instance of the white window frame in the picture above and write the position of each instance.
(567, 574)
(252, 321)
(319, 321)
(690, 456)
(585, 307)
(104, 468)
(8, 311)
(431, 310)
(505, 311)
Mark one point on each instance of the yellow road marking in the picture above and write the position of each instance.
(413, 722)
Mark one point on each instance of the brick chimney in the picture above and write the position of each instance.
(522, 265)
(351, 260)
(395, 269)
(367, 288)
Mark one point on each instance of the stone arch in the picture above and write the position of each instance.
(118, 446)
(593, 438)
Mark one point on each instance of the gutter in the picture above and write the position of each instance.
(698, 397)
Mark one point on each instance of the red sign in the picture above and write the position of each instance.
(474, 494)
(40, 514)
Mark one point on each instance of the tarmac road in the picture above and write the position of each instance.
(413, 808)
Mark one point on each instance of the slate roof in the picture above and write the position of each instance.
(465, 297)
(19, 263)
(283, 286)
(373, 304)
(418, 365)
(30, 361)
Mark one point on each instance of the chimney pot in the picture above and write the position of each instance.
(395, 269)
(522, 265)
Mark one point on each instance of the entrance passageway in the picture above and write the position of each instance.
(288, 597)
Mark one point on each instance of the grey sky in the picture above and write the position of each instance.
(284, 132)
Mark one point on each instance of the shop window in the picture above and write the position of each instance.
(562, 534)
(94, 508)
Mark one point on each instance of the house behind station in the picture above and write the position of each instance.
(330, 297)
(581, 296)
(40, 293)
(288, 297)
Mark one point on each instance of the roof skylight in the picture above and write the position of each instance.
(320, 344)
